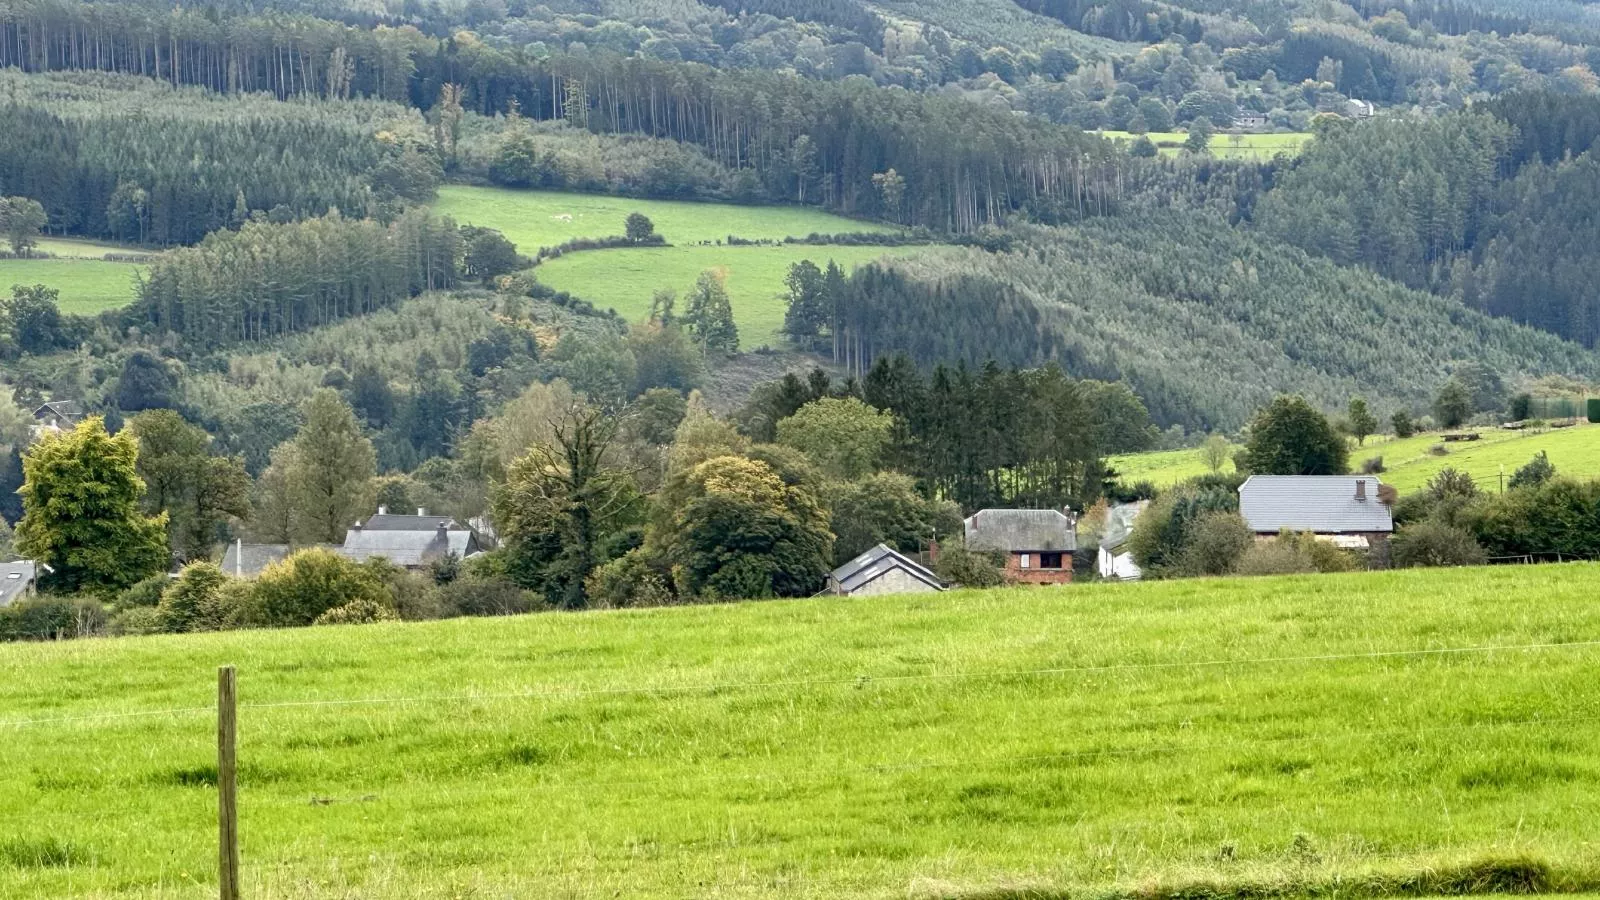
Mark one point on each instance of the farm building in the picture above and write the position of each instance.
(17, 580)
(411, 542)
(1115, 560)
(1348, 511)
(882, 570)
(243, 560)
(1037, 543)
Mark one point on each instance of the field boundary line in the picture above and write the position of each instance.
(864, 680)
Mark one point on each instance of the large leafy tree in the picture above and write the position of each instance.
(709, 316)
(843, 436)
(1291, 437)
(81, 511)
(329, 471)
(21, 219)
(196, 490)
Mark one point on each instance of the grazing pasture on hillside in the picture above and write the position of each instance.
(87, 286)
(534, 219)
(1224, 145)
(626, 279)
(1367, 734)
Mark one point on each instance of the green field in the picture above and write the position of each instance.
(625, 280)
(1409, 463)
(1226, 146)
(531, 218)
(87, 286)
(75, 248)
(1307, 733)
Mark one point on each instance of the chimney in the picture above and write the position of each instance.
(422, 510)
(1361, 490)
(383, 510)
(238, 557)
(933, 551)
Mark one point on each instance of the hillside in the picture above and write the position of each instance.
(87, 286)
(1410, 462)
(1291, 732)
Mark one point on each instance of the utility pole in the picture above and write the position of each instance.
(227, 785)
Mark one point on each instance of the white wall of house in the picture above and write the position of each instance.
(1119, 566)
(894, 581)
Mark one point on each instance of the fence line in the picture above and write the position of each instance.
(837, 767)
(860, 680)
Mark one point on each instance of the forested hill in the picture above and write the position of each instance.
(1206, 322)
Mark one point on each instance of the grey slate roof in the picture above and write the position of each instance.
(873, 564)
(390, 522)
(66, 410)
(1021, 531)
(1119, 524)
(247, 560)
(1321, 504)
(408, 548)
(15, 577)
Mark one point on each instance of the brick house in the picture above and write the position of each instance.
(1037, 543)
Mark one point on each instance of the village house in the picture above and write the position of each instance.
(243, 560)
(55, 416)
(17, 580)
(1349, 511)
(882, 570)
(1037, 543)
(1115, 560)
(411, 542)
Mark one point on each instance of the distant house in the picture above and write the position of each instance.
(882, 570)
(17, 580)
(1359, 109)
(243, 560)
(57, 415)
(1344, 510)
(411, 542)
(1115, 557)
(1037, 543)
(1250, 119)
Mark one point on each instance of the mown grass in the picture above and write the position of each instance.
(627, 279)
(531, 219)
(1208, 739)
(1225, 146)
(1410, 462)
(87, 286)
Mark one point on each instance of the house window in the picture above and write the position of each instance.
(1049, 560)
(1025, 561)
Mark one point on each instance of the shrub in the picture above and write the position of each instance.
(146, 593)
(486, 597)
(135, 620)
(1215, 543)
(1275, 557)
(1373, 466)
(362, 611)
(1435, 543)
(1403, 426)
(1538, 471)
(1439, 450)
(969, 568)
(307, 584)
(51, 618)
(629, 581)
(190, 604)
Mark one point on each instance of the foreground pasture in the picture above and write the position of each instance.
(1351, 734)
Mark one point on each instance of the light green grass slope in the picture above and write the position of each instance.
(76, 248)
(531, 219)
(625, 280)
(87, 286)
(1226, 146)
(1234, 730)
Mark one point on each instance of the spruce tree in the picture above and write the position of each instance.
(330, 472)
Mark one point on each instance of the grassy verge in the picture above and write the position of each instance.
(1226, 146)
(1198, 739)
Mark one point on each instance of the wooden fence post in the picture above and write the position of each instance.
(227, 786)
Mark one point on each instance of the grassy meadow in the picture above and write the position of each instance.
(1410, 462)
(626, 279)
(1225, 145)
(87, 285)
(1220, 736)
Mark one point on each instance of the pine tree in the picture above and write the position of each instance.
(330, 473)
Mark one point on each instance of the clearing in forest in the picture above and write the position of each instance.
(87, 285)
(1356, 734)
(1260, 147)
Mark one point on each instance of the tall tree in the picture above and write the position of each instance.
(194, 489)
(330, 471)
(1290, 437)
(81, 511)
(709, 316)
(21, 220)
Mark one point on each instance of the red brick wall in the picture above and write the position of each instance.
(1035, 575)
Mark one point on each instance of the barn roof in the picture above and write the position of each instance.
(876, 562)
(1320, 504)
(1022, 531)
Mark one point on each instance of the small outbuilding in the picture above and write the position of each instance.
(1037, 543)
(882, 570)
(1116, 558)
(17, 580)
(243, 560)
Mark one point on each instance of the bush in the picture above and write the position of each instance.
(51, 618)
(146, 593)
(1538, 471)
(357, 612)
(1439, 450)
(190, 604)
(629, 581)
(1275, 557)
(1215, 544)
(969, 568)
(135, 620)
(1373, 466)
(1403, 426)
(1435, 543)
(307, 584)
(486, 597)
